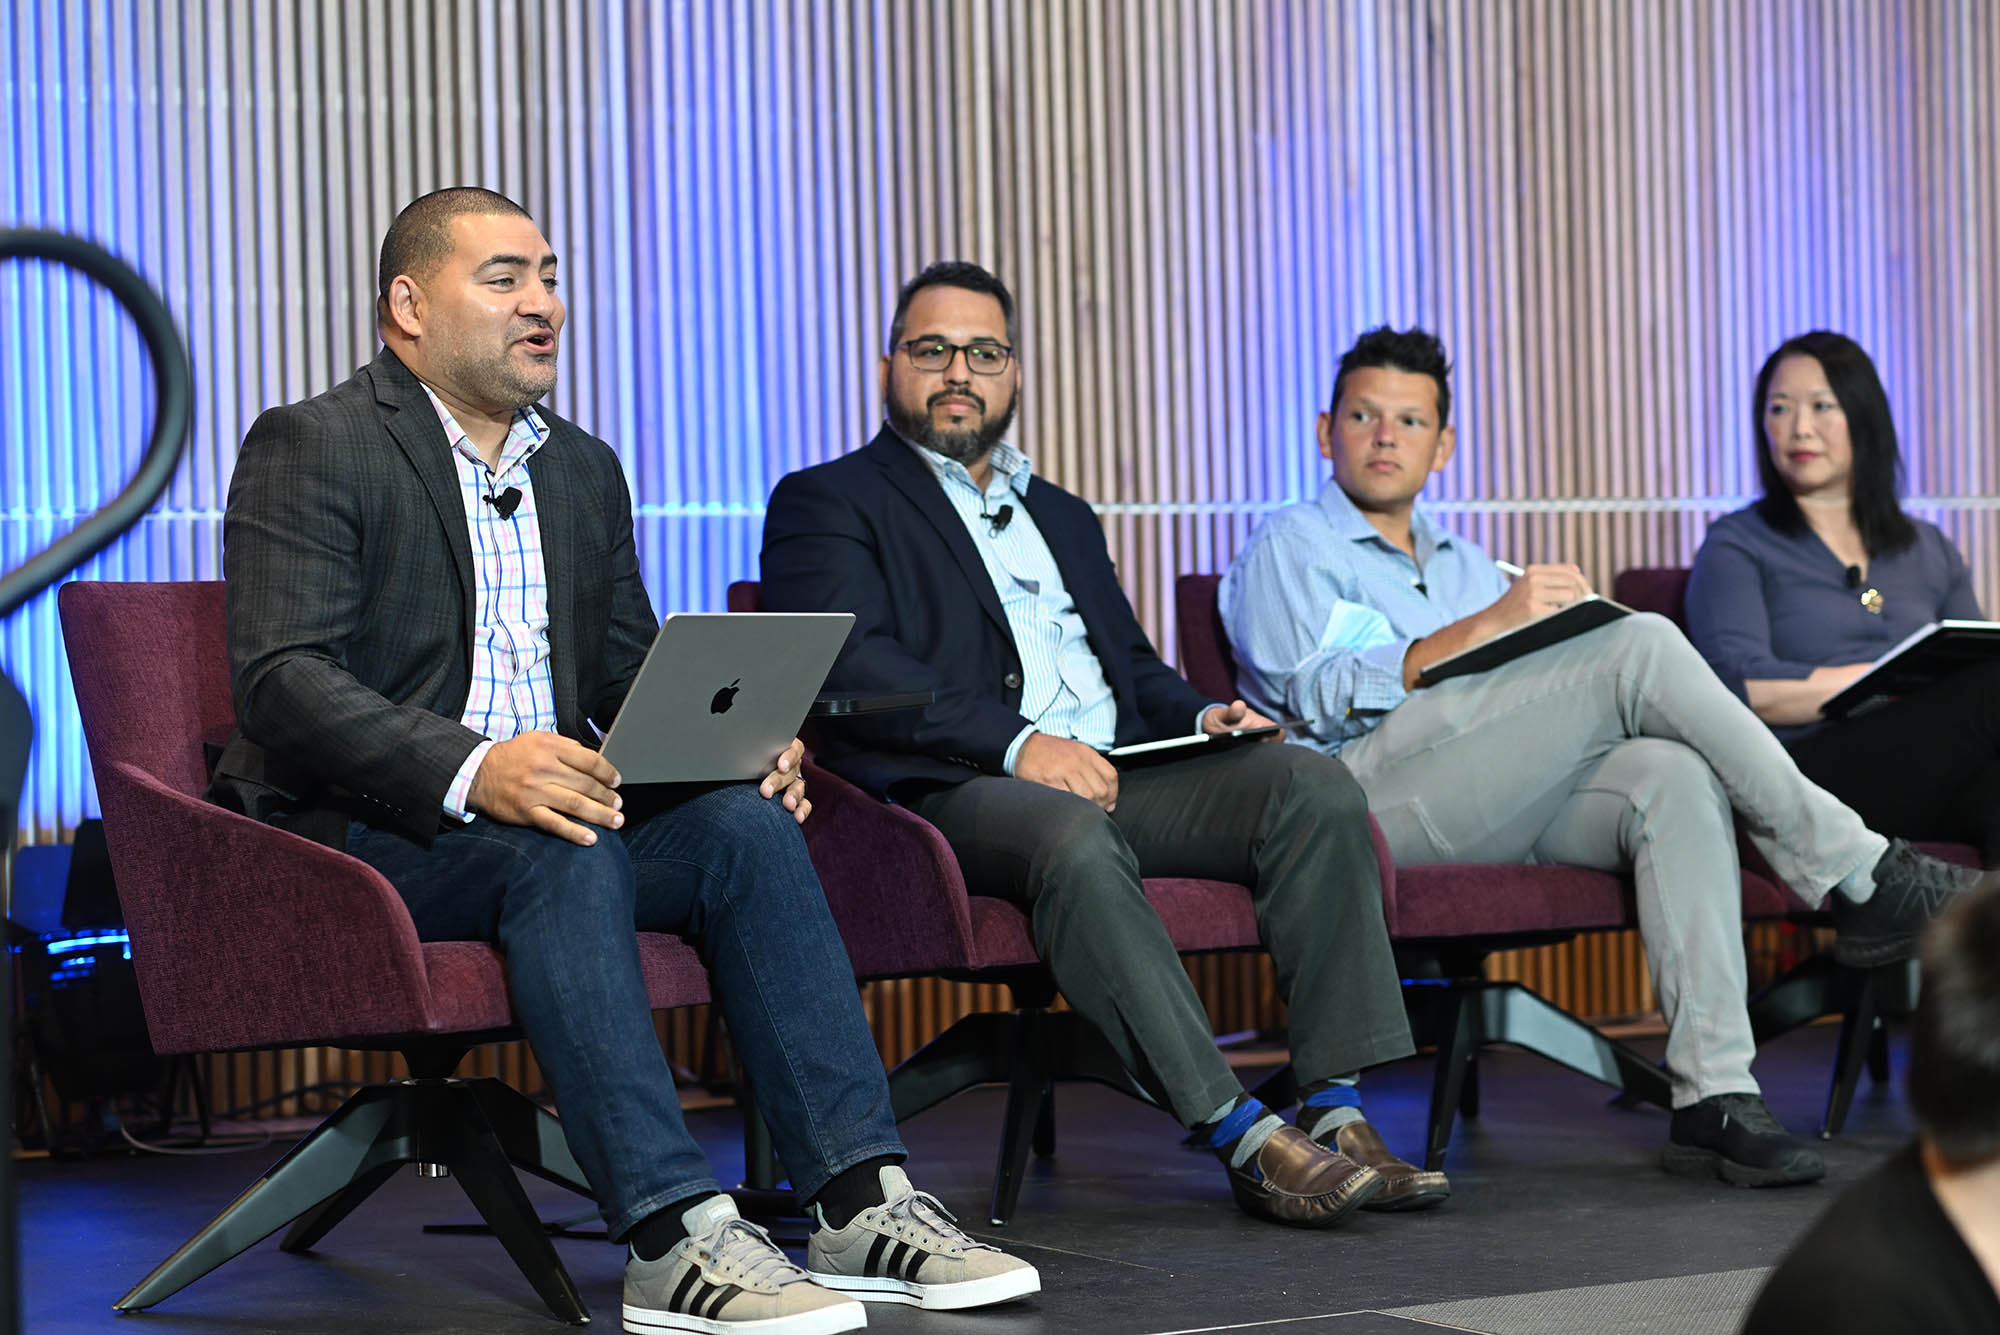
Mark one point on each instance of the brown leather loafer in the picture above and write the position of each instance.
(1294, 1181)
(1405, 1186)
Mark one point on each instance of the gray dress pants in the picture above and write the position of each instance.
(1619, 750)
(1289, 823)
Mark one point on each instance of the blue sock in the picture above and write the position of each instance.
(1327, 1105)
(1238, 1129)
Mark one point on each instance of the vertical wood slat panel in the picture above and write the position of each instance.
(1610, 212)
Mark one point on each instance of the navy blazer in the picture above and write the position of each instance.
(872, 533)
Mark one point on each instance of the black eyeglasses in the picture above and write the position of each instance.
(934, 354)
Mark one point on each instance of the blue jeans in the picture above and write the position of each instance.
(726, 870)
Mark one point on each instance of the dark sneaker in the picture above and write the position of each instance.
(1404, 1186)
(1734, 1137)
(728, 1275)
(1912, 890)
(909, 1250)
(1292, 1180)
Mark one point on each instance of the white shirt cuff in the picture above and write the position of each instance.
(1014, 749)
(461, 786)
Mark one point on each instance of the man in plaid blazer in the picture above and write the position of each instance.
(433, 592)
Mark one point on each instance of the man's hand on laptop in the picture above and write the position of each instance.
(550, 782)
(788, 778)
(1219, 719)
(1059, 762)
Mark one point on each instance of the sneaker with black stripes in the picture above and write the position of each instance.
(909, 1250)
(727, 1275)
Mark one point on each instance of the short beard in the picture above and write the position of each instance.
(520, 391)
(965, 445)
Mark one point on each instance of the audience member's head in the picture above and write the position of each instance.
(1822, 429)
(1955, 1040)
(1387, 427)
(466, 298)
(951, 375)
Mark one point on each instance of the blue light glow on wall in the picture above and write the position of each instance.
(1610, 212)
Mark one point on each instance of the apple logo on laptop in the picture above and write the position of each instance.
(724, 698)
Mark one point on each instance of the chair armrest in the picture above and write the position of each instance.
(892, 881)
(244, 935)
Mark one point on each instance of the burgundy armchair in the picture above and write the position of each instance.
(903, 910)
(1445, 920)
(245, 936)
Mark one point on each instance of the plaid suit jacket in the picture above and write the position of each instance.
(349, 589)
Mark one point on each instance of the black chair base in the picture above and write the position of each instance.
(1028, 1051)
(478, 1130)
(1462, 1015)
(1863, 998)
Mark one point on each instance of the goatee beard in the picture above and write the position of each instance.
(964, 445)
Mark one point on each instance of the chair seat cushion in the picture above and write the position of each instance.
(1199, 915)
(1480, 899)
(468, 980)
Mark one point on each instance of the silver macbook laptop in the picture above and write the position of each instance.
(721, 694)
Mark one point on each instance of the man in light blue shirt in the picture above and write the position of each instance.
(1617, 749)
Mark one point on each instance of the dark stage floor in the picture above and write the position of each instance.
(1562, 1223)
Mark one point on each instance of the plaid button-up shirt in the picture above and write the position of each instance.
(513, 690)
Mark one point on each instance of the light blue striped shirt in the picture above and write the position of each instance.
(1063, 690)
(1320, 609)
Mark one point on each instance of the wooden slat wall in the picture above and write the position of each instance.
(1610, 210)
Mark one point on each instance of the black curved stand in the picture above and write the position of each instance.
(173, 382)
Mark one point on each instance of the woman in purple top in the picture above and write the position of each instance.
(1792, 598)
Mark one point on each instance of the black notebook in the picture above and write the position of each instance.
(1937, 650)
(1562, 624)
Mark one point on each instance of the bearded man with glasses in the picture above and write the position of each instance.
(993, 588)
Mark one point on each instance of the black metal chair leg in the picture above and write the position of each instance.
(340, 1149)
(976, 1050)
(1808, 990)
(530, 1135)
(1878, 1054)
(1045, 1124)
(1454, 1054)
(483, 1170)
(1857, 1033)
(1468, 1094)
(353, 1152)
(317, 1222)
(1513, 1014)
(1026, 1090)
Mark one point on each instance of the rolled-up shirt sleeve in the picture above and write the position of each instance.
(1728, 619)
(1303, 648)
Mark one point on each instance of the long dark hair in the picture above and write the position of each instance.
(1876, 488)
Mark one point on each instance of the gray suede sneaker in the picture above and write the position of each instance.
(909, 1250)
(727, 1276)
